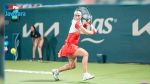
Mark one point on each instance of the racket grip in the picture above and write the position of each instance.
(93, 29)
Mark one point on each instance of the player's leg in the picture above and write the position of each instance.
(70, 65)
(82, 52)
(40, 44)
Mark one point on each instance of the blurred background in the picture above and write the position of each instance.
(123, 30)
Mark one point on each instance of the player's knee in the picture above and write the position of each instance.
(72, 66)
(85, 54)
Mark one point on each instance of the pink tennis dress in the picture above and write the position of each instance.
(71, 43)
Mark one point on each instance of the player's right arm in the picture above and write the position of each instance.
(87, 32)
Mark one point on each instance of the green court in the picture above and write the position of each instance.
(26, 72)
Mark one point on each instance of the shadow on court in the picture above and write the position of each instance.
(62, 81)
(40, 80)
(80, 82)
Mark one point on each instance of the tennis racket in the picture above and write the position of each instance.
(86, 15)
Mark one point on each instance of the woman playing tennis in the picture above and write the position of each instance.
(71, 49)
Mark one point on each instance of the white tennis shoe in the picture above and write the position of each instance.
(55, 74)
(87, 76)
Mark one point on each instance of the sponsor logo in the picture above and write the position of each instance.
(104, 26)
(53, 28)
(136, 31)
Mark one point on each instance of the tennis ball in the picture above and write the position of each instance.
(13, 51)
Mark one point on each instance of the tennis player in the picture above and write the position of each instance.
(71, 49)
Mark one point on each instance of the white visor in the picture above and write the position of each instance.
(77, 13)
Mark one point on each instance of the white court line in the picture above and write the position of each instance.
(27, 71)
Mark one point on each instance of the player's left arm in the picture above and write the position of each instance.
(85, 31)
(88, 23)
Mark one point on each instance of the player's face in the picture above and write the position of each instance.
(77, 15)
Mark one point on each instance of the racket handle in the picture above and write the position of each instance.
(93, 29)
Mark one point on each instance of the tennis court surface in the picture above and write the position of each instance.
(26, 72)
